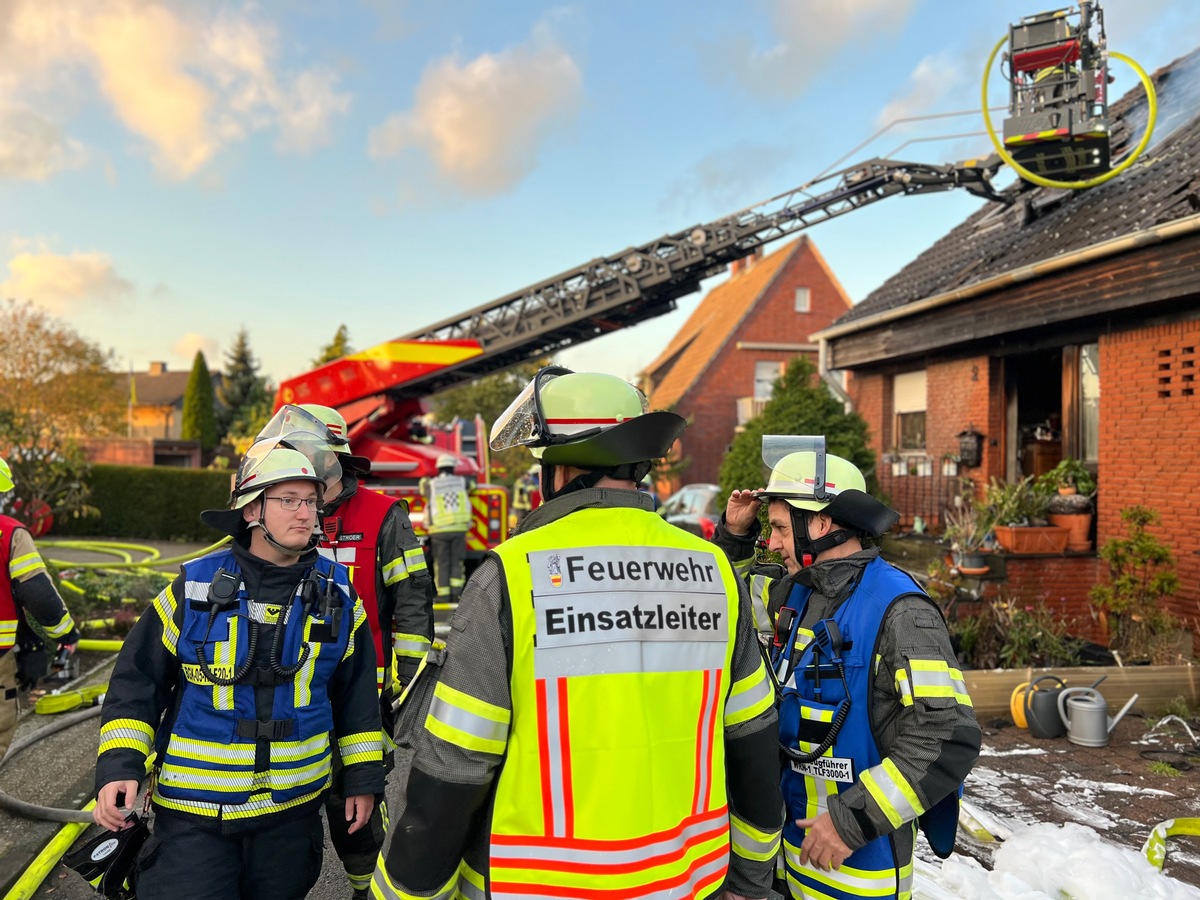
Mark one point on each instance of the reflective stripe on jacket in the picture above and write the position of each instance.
(8, 606)
(219, 758)
(614, 777)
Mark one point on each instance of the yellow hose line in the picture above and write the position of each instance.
(99, 646)
(152, 560)
(1128, 161)
(26, 886)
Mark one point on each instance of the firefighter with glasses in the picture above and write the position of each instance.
(876, 726)
(238, 677)
(371, 534)
(600, 722)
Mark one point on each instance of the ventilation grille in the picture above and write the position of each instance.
(1175, 371)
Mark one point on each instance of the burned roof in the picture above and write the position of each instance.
(1043, 223)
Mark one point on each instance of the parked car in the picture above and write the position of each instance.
(693, 508)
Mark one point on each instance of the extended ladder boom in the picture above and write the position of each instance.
(610, 293)
(643, 282)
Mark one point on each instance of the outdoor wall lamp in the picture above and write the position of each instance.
(970, 447)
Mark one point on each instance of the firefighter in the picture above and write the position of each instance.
(238, 677)
(600, 720)
(25, 591)
(370, 533)
(523, 491)
(448, 517)
(864, 650)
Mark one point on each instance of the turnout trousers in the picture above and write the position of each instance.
(189, 860)
(449, 553)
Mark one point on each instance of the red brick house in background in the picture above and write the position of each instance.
(1065, 324)
(719, 368)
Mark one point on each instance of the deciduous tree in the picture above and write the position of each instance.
(55, 386)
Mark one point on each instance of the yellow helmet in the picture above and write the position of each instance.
(805, 477)
(6, 482)
(585, 419)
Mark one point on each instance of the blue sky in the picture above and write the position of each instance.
(172, 172)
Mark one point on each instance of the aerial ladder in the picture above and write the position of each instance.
(379, 390)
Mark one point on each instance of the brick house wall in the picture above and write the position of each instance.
(1150, 444)
(711, 403)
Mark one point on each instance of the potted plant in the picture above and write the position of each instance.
(899, 466)
(1070, 506)
(967, 526)
(1020, 509)
(950, 465)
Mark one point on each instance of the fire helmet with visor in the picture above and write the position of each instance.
(6, 482)
(586, 420)
(807, 478)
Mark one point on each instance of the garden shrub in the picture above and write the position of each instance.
(151, 502)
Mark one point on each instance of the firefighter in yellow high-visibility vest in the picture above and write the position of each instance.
(448, 517)
(601, 718)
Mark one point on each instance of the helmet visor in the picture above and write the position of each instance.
(291, 419)
(523, 424)
(794, 485)
(325, 463)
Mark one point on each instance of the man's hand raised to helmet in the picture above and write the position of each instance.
(741, 512)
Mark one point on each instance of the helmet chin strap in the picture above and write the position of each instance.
(806, 549)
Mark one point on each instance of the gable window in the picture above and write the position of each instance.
(765, 376)
(802, 299)
(908, 406)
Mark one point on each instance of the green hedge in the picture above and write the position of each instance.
(156, 503)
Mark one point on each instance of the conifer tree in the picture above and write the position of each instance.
(335, 349)
(243, 392)
(199, 418)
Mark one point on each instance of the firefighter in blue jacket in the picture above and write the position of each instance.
(876, 725)
(235, 677)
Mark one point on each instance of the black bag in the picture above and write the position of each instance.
(106, 862)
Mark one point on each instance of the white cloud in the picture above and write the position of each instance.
(928, 85)
(62, 283)
(482, 123)
(805, 37)
(728, 178)
(188, 81)
(185, 348)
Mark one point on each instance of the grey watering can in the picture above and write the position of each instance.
(1084, 713)
(1041, 708)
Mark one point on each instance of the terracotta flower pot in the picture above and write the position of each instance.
(1079, 526)
(1032, 538)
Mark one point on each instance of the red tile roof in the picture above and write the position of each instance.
(708, 328)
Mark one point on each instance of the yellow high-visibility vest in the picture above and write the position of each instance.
(614, 776)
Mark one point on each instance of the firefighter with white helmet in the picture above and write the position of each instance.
(26, 594)
(238, 677)
(601, 696)
(448, 518)
(875, 719)
(371, 534)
